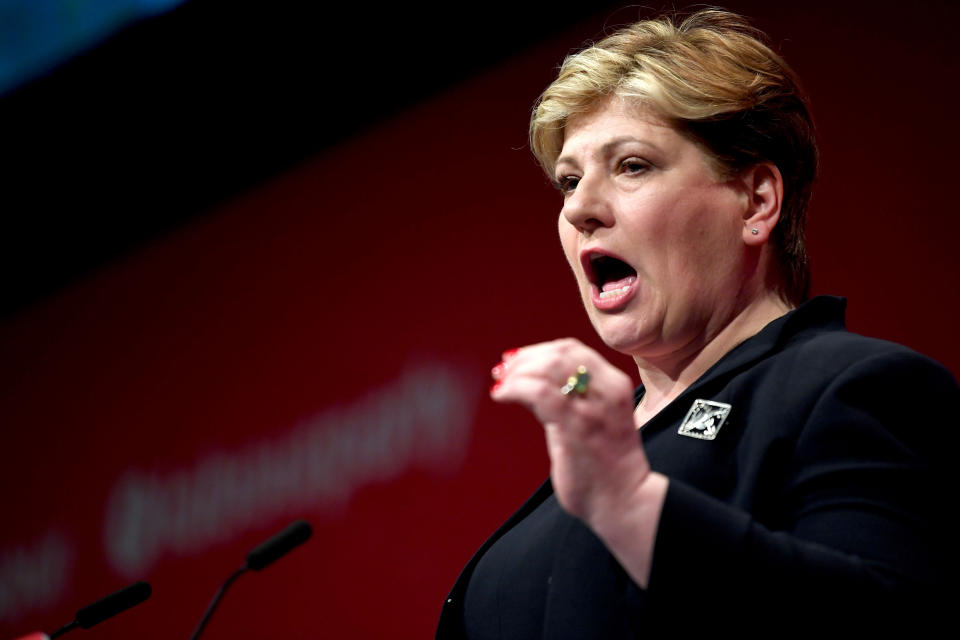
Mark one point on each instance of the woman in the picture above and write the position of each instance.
(785, 471)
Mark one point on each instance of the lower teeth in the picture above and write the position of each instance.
(614, 292)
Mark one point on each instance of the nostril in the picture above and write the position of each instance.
(579, 215)
(587, 224)
(586, 211)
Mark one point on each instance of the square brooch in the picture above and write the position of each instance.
(704, 419)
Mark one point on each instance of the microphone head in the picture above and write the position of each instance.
(113, 604)
(279, 545)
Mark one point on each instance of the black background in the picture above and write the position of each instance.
(179, 112)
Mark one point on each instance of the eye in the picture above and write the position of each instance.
(566, 184)
(634, 166)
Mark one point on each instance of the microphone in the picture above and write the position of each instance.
(100, 610)
(279, 545)
(260, 557)
(112, 605)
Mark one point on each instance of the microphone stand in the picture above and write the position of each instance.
(216, 600)
(262, 556)
(62, 630)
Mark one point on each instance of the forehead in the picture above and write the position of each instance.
(612, 118)
(618, 121)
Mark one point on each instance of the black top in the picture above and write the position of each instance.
(508, 589)
(820, 503)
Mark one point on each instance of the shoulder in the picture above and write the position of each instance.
(857, 396)
(812, 345)
(837, 355)
(820, 380)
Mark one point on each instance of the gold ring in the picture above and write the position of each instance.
(577, 382)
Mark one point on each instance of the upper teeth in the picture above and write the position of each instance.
(614, 292)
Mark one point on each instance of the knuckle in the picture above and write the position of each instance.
(557, 361)
(592, 413)
(542, 393)
(567, 345)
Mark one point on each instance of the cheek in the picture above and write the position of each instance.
(568, 241)
(707, 221)
(708, 252)
(688, 239)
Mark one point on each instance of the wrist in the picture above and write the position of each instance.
(628, 526)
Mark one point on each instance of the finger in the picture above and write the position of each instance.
(529, 384)
(574, 414)
(555, 359)
(561, 366)
(540, 396)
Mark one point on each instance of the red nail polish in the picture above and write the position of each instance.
(509, 353)
(496, 385)
(497, 371)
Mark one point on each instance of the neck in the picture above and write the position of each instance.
(666, 376)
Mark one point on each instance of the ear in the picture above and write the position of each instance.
(764, 189)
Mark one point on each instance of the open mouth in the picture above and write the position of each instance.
(612, 277)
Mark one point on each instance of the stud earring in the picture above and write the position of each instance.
(754, 231)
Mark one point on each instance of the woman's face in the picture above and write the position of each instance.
(654, 237)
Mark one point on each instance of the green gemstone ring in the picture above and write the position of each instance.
(577, 382)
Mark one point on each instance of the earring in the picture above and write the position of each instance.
(754, 231)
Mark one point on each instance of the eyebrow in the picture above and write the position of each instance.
(607, 147)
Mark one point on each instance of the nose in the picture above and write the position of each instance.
(588, 207)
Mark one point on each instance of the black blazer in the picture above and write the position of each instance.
(820, 505)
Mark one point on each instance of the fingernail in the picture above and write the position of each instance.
(509, 353)
(497, 371)
(496, 385)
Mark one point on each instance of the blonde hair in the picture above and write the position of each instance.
(714, 80)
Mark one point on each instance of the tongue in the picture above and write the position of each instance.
(618, 284)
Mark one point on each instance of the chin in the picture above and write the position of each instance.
(627, 330)
(625, 337)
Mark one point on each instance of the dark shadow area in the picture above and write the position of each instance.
(185, 110)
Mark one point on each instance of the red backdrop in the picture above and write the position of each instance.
(320, 346)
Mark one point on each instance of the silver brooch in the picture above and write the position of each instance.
(704, 419)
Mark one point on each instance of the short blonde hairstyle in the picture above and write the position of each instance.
(714, 80)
